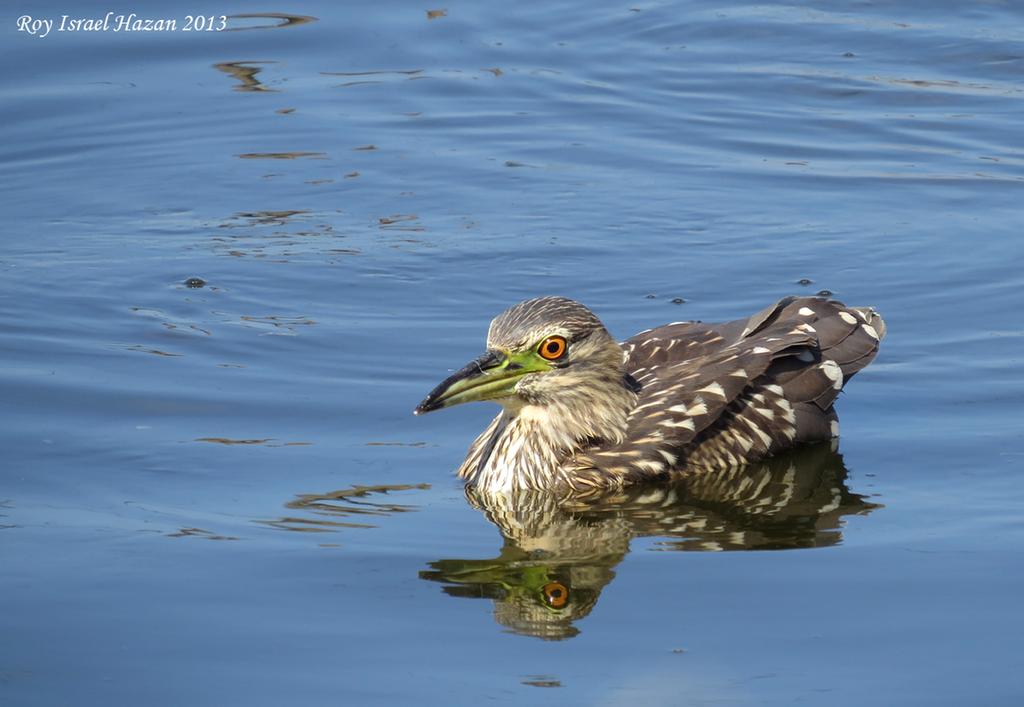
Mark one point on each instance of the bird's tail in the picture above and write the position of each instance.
(847, 340)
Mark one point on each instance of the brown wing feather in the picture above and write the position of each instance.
(716, 395)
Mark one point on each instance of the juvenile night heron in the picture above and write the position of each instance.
(582, 414)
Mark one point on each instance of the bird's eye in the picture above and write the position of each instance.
(552, 348)
(556, 594)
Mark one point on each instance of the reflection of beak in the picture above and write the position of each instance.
(493, 375)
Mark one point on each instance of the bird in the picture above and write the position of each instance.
(582, 414)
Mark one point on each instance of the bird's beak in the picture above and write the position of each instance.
(493, 375)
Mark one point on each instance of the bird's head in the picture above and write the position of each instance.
(538, 352)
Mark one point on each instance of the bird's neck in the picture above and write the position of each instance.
(527, 444)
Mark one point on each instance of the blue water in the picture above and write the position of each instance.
(219, 495)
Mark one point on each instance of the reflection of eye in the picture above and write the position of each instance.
(556, 594)
(552, 347)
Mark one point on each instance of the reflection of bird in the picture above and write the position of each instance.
(582, 414)
(557, 557)
(535, 594)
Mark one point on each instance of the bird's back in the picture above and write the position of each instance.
(712, 396)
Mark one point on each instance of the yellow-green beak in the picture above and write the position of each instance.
(491, 376)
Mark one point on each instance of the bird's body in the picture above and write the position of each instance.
(582, 414)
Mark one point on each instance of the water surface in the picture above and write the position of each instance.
(218, 494)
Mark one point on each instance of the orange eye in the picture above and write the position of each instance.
(556, 594)
(552, 348)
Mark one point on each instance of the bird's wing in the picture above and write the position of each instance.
(711, 395)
